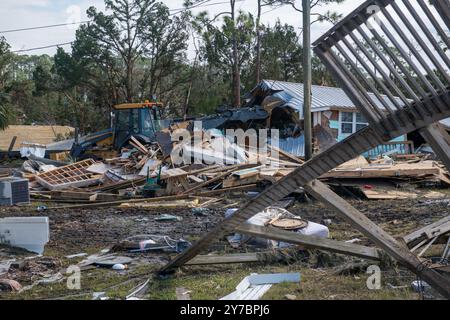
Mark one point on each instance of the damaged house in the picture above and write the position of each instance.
(335, 117)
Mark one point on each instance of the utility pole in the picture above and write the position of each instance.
(307, 78)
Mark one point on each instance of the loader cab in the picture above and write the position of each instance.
(141, 120)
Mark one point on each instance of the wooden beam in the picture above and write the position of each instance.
(11, 146)
(436, 229)
(118, 203)
(226, 190)
(89, 196)
(225, 259)
(310, 242)
(439, 140)
(380, 237)
(287, 155)
(218, 178)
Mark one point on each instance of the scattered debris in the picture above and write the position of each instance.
(183, 294)
(168, 217)
(78, 255)
(281, 219)
(139, 291)
(100, 296)
(114, 262)
(9, 285)
(255, 286)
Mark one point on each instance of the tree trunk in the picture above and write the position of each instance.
(258, 44)
(129, 82)
(236, 69)
(191, 83)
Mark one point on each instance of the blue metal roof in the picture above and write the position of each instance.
(323, 98)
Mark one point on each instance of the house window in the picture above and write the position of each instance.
(351, 122)
(361, 121)
(346, 122)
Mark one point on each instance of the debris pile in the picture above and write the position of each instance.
(212, 165)
(150, 171)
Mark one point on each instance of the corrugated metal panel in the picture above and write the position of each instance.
(295, 146)
(323, 98)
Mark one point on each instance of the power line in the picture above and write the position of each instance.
(202, 4)
(46, 47)
(44, 27)
(179, 10)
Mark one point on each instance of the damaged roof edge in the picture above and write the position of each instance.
(324, 98)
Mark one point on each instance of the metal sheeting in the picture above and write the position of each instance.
(446, 123)
(295, 146)
(323, 98)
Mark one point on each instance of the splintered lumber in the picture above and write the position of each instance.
(426, 168)
(70, 176)
(119, 185)
(228, 171)
(380, 237)
(182, 173)
(429, 232)
(310, 242)
(233, 181)
(135, 142)
(227, 190)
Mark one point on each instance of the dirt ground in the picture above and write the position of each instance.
(90, 231)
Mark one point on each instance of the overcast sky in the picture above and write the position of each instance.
(32, 13)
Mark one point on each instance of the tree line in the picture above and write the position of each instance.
(138, 49)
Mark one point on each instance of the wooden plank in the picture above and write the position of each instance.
(218, 178)
(310, 242)
(225, 259)
(120, 185)
(227, 190)
(397, 171)
(380, 237)
(139, 145)
(232, 182)
(91, 196)
(118, 203)
(11, 146)
(288, 155)
(437, 228)
(439, 140)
